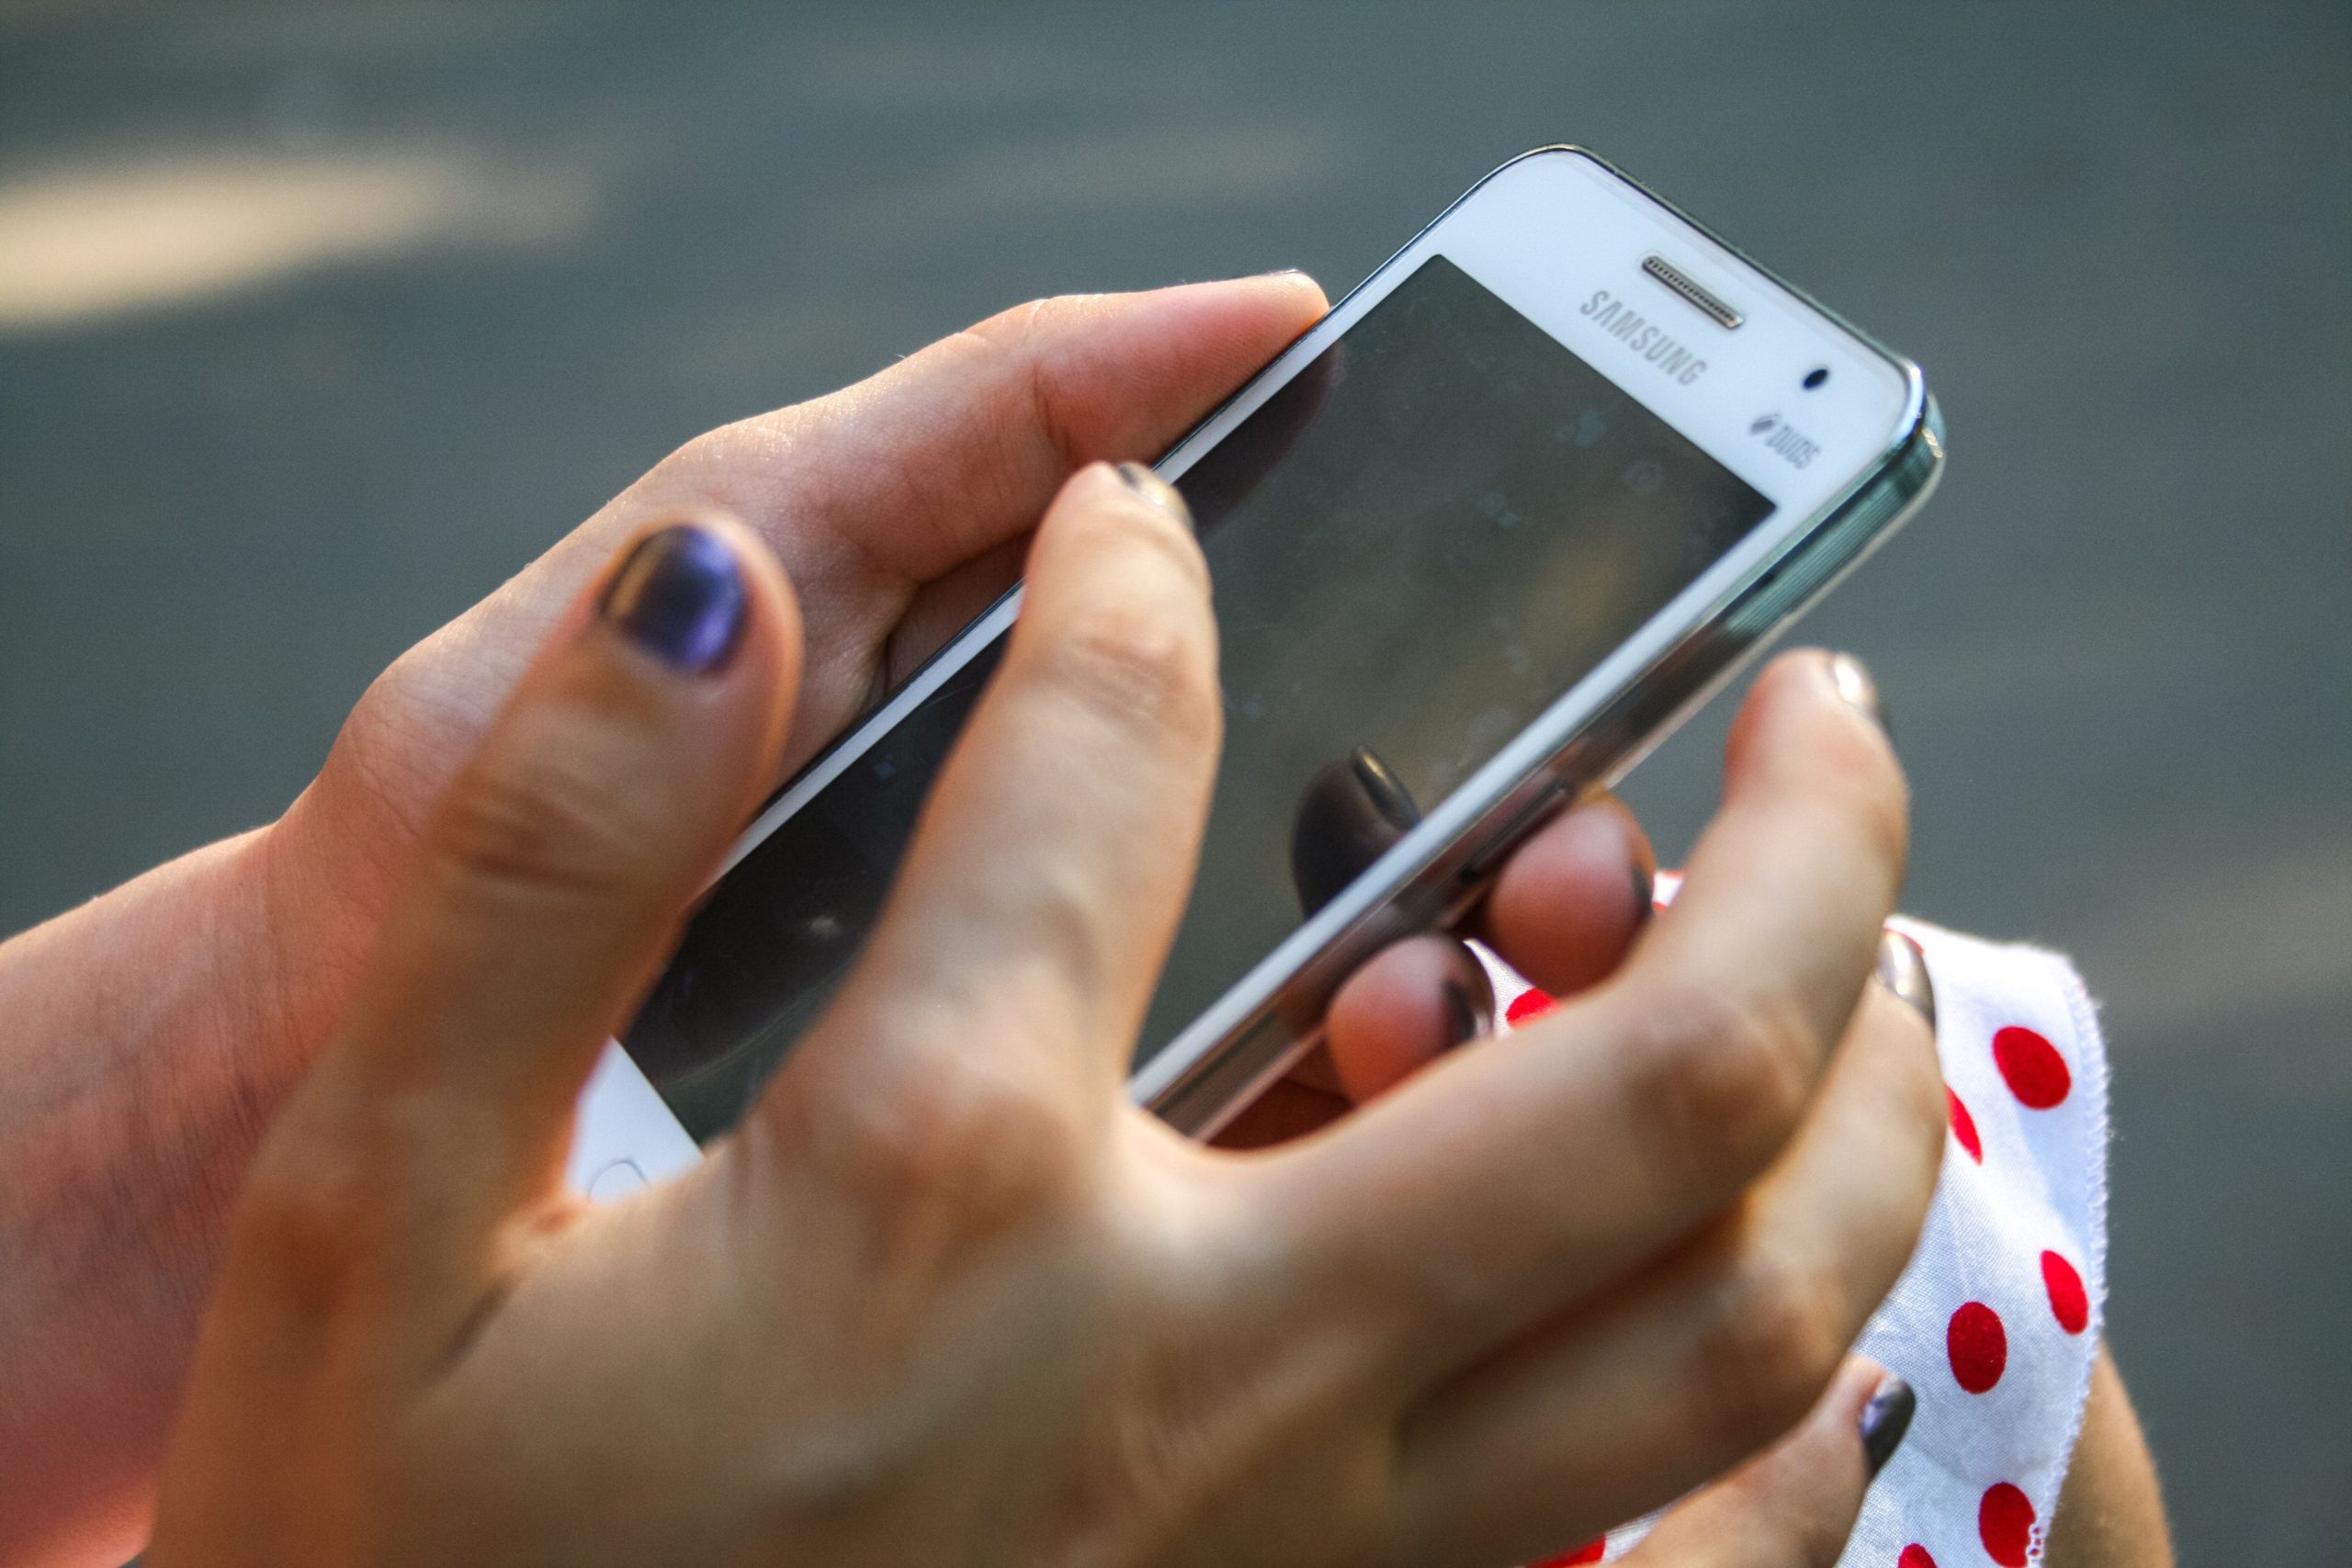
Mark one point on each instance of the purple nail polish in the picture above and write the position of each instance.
(1151, 488)
(1350, 814)
(680, 596)
(1885, 1420)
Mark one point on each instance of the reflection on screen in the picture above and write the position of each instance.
(1418, 544)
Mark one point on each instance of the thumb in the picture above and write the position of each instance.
(555, 871)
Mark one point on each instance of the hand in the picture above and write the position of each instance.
(1563, 897)
(945, 1296)
(1572, 900)
(898, 509)
(2111, 1513)
(1794, 1507)
(148, 1037)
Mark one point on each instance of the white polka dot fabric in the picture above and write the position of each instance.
(1996, 1320)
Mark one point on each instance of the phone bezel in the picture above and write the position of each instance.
(1542, 231)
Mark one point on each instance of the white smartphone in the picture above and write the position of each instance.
(1485, 534)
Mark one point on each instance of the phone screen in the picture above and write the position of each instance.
(1418, 543)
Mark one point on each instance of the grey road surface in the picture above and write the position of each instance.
(373, 303)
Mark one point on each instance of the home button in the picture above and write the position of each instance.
(616, 1181)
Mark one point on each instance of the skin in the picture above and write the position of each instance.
(461, 906)
(1560, 899)
(149, 1036)
(2110, 1511)
(946, 1295)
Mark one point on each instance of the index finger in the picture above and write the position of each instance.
(1053, 858)
(871, 492)
(1507, 1184)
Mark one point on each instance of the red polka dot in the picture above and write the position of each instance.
(1963, 1125)
(1528, 1005)
(2005, 1523)
(2069, 1303)
(1590, 1551)
(1978, 1345)
(2035, 1072)
(1915, 1556)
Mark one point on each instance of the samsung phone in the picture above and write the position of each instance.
(1479, 538)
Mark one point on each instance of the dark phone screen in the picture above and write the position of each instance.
(1418, 543)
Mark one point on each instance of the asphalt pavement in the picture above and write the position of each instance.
(316, 322)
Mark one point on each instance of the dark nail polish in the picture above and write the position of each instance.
(1903, 969)
(1854, 683)
(1384, 791)
(1155, 489)
(1885, 1420)
(1462, 1022)
(680, 596)
(1351, 812)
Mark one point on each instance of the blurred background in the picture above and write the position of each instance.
(317, 322)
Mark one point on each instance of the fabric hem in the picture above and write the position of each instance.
(2093, 1059)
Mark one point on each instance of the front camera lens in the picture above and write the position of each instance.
(1815, 377)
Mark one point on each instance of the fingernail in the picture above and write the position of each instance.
(1351, 813)
(1854, 684)
(1462, 1022)
(1155, 489)
(1903, 969)
(678, 595)
(1885, 1420)
(1384, 791)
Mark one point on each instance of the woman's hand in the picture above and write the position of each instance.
(898, 509)
(148, 1037)
(945, 1296)
(1793, 1506)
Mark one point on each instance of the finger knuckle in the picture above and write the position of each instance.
(1070, 910)
(1774, 1338)
(951, 1154)
(1032, 318)
(754, 443)
(699, 453)
(1720, 1082)
(305, 1218)
(559, 816)
(1136, 665)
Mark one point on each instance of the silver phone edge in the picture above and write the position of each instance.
(1226, 1073)
(1197, 1085)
